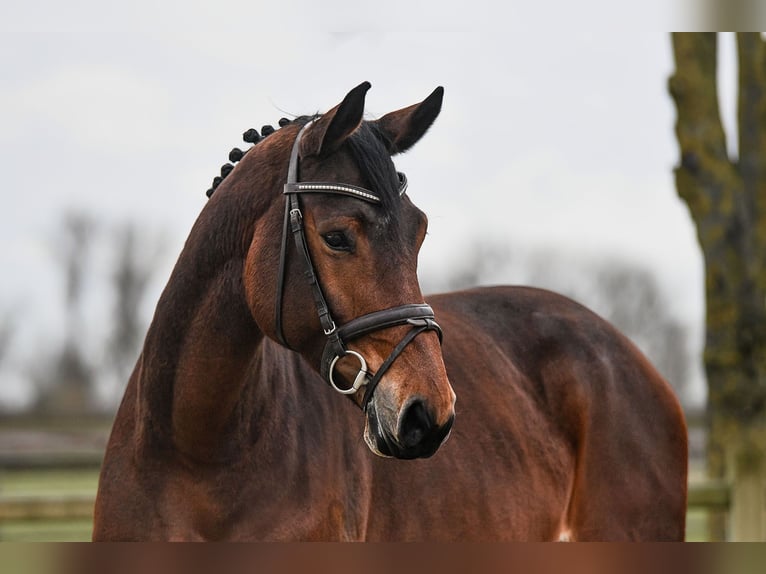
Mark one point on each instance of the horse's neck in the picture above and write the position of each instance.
(198, 351)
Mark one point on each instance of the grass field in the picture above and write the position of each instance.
(19, 486)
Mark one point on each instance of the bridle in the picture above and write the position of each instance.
(419, 316)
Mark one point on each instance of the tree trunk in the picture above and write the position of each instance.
(727, 201)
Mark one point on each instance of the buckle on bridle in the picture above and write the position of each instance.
(331, 330)
(361, 376)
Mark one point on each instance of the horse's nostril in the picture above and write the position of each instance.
(416, 423)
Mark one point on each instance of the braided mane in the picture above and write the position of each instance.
(251, 136)
(366, 146)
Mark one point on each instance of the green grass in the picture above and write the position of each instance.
(47, 483)
(696, 526)
(46, 531)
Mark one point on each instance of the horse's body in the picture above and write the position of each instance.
(563, 429)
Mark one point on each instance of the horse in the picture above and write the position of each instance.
(299, 279)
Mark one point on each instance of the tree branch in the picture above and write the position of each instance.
(705, 175)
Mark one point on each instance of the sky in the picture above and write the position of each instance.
(556, 129)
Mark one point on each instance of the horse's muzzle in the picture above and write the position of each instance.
(416, 434)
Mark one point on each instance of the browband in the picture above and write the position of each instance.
(342, 189)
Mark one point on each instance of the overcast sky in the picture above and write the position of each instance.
(551, 133)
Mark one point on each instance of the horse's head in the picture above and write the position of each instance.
(331, 271)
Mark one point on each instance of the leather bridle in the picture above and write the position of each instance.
(419, 316)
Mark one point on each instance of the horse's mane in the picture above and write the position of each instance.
(374, 162)
(367, 148)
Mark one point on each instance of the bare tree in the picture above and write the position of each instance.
(65, 384)
(73, 253)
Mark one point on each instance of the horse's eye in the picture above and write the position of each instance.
(337, 241)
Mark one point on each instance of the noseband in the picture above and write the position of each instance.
(419, 316)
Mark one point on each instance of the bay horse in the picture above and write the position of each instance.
(301, 271)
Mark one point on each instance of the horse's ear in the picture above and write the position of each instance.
(403, 128)
(331, 130)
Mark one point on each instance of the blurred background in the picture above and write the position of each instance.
(551, 164)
